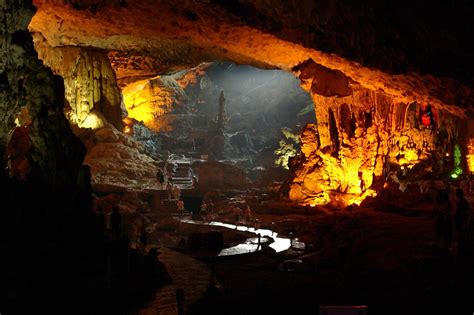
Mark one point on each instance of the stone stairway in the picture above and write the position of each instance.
(183, 175)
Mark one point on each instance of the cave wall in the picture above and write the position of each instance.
(152, 101)
(364, 137)
(356, 63)
(91, 90)
(45, 184)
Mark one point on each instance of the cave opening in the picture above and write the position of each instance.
(221, 112)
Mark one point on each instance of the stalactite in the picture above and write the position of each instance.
(349, 160)
(90, 87)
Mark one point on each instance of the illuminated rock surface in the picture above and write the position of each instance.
(89, 80)
(358, 107)
(118, 162)
(164, 27)
(365, 66)
(151, 101)
(358, 138)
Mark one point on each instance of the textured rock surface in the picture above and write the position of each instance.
(423, 36)
(129, 64)
(470, 146)
(355, 60)
(50, 211)
(55, 153)
(151, 101)
(118, 162)
(89, 80)
(358, 138)
(222, 32)
(216, 175)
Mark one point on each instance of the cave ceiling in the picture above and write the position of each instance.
(401, 52)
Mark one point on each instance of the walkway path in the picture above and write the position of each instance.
(186, 273)
(279, 243)
(192, 275)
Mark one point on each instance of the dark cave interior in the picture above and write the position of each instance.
(236, 157)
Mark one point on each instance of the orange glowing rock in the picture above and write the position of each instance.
(160, 27)
(356, 138)
(470, 147)
(367, 119)
(151, 101)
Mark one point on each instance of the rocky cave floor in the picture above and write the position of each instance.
(392, 261)
(393, 264)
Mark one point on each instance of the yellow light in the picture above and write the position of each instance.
(127, 130)
(321, 199)
(150, 101)
(93, 120)
(470, 155)
(447, 154)
(358, 200)
(355, 201)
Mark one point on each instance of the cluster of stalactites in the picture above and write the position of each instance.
(360, 138)
(91, 90)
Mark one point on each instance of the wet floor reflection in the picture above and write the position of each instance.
(251, 244)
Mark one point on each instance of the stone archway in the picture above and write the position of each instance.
(179, 36)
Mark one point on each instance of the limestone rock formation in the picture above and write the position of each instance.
(153, 100)
(470, 146)
(357, 140)
(118, 162)
(138, 64)
(225, 33)
(365, 91)
(89, 80)
(45, 190)
(217, 175)
(55, 154)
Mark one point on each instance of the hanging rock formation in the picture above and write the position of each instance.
(367, 95)
(139, 64)
(89, 80)
(225, 31)
(363, 137)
